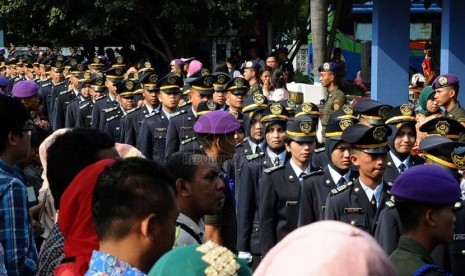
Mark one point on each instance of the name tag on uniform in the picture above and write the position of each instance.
(459, 237)
(187, 128)
(160, 129)
(291, 203)
(353, 210)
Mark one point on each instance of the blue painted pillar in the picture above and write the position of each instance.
(453, 42)
(390, 49)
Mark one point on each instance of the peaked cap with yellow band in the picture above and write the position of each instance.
(371, 140)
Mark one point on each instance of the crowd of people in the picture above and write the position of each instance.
(110, 168)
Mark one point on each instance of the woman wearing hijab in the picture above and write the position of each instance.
(428, 109)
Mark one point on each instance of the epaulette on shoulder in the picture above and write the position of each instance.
(155, 112)
(110, 109)
(178, 113)
(318, 150)
(85, 104)
(340, 189)
(390, 204)
(273, 169)
(45, 84)
(251, 157)
(242, 143)
(74, 100)
(184, 104)
(64, 92)
(102, 97)
(318, 172)
(112, 118)
(132, 110)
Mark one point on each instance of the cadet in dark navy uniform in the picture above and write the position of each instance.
(56, 87)
(445, 127)
(125, 91)
(97, 89)
(219, 96)
(279, 191)
(152, 136)
(76, 78)
(401, 120)
(264, 155)
(371, 112)
(112, 78)
(133, 120)
(72, 112)
(338, 172)
(360, 203)
(180, 135)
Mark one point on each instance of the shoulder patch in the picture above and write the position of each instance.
(340, 189)
(251, 157)
(318, 172)
(390, 204)
(273, 169)
(178, 113)
(318, 150)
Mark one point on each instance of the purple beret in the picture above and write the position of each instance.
(216, 122)
(177, 61)
(25, 89)
(445, 80)
(427, 184)
(3, 82)
(328, 67)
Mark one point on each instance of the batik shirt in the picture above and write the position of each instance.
(103, 264)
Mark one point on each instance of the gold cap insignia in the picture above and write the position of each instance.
(458, 160)
(221, 79)
(207, 82)
(147, 64)
(291, 104)
(383, 111)
(347, 109)
(96, 60)
(442, 127)
(87, 75)
(306, 127)
(406, 110)
(80, 67)
(73, 62)
(99, 80)
(120, 60)
(307, 108)
(172, 80)
(345, 123)
(135, 76)
(276, 109)
(60, 58)
(153, 78)
(239, 82)
(204, 72)
(258, 99)
(326, 66)
(58, 64)
(443, 80)
(380, 133)
(211, 105)
(234, 113)
(119, 71)
(130, 85)
(125, 76)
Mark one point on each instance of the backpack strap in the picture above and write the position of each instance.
(189, 231)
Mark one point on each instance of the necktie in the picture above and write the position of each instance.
(373, 203)
(302, 176)
(258, 149)
(276, 161)
(402, 167)
(341, 182)
(115, 102)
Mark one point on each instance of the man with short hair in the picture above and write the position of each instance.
(424, 196)
(447, 90)
(272, 62)
(16, 234)
(336, 98)
(251, 74)
(134, 214)
(215, 132)
(200, 191)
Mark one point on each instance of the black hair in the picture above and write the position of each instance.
(127, 191)
(183, 164)
(277, 79)
(70, 153)
(38, 135)
(13, 116)
(410, 213)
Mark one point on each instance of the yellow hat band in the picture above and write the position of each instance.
(316, 113)
(268, 117)
(440, 161)
(200, 88)
(403, 118)
(300, 134)
(372, 117)
(333, 134)
(253, 106)
(169, 87)
(370, 146)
